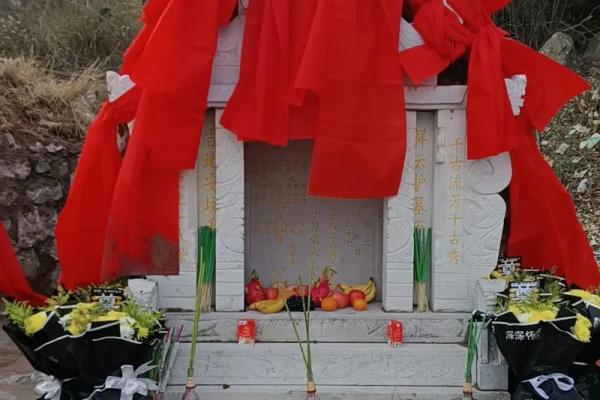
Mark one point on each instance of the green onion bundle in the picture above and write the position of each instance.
(311, 388)
(204, 279)
(207, 247)
(422, 264)
(473, 332)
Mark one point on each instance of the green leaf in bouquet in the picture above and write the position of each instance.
(18, 312)
(146, 320)
(61, 298)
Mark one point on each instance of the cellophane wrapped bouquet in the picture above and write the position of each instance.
(548, 334)
(88, 344)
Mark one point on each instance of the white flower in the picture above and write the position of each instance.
(126, 327)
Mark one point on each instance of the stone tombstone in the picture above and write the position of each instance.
(289, 233)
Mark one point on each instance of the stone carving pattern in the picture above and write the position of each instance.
(230, 217)
(226, 64)
(446, 330)
(485, 210)
(515, 86)
(398, 232)
(336, 364)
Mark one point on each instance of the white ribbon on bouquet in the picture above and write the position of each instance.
(563, 382)
(47, 386)
(129, 383)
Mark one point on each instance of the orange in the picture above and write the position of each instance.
(329, 304)
(359, 304)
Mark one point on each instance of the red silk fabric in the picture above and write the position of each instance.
(81, 225)
(122, 216)
(544, 229)
(13, 282)
(327, 70)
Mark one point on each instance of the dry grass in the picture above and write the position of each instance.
(69, 35)
(577, 165)
(534, 21)
(37, 102)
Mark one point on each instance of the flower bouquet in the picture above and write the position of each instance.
(588, 305)
(537, 334)
(78, 340)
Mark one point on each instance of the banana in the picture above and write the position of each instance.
(369, 289)
(269, 306)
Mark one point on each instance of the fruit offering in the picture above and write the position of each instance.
(359, 304)
(294, 303)
(254, 289)
(322, 286)
(369, 289)
(329, 304)
(268, 306)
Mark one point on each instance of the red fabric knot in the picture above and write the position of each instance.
(451, 28)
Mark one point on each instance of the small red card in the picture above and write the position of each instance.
(246, 331)
(395, 334)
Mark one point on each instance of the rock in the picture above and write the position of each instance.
(30, 262)
(49, 249)
(8, 196)
(36, 147)
(7, 224)
(42, 166)
(558, 47)
(17, 168)
(593, 50)
(45, 194)
(60, 168)
(35, 226)
(52, 148)
(8, 142)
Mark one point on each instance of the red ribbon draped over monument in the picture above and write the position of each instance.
(544, 229)
(122, 216)
(327, 70)
(13, 282)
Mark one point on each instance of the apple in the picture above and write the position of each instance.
(342, 299)
(272, 293)
(301, 290)
(356, 294)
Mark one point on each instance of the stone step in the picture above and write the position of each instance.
(257, 392)
(341, 364)
(344, 325)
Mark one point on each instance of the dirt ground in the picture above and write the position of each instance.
(15, 372)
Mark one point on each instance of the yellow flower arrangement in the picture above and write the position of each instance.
(586, 296)
(582, 328)
(527, 314)
(35, 322)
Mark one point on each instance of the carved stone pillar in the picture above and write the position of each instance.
(398, 222)
(229, 278)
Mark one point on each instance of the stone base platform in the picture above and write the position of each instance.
(351, 357)
(256, 392)
(341, 326)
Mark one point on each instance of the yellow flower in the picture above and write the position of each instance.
(142, 332)
(582, 328)
(543, 315)
(109, 316)
(35, 322)
(586, 296)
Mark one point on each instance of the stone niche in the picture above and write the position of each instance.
(289, 233)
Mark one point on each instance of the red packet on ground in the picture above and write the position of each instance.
(395, 334)
(246, 331)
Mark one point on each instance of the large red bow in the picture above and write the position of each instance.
(543, 224)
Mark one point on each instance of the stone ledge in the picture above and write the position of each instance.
(344, 364)
(344, 325)
(258, 392)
